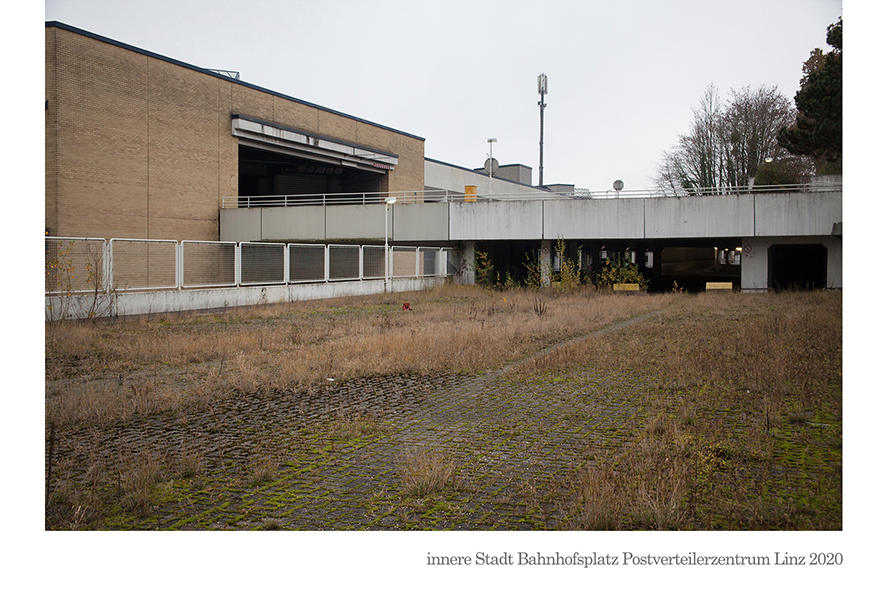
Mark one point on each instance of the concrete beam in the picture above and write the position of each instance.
(798, 214)
(713, 216)
(497, 220)
(600, 219)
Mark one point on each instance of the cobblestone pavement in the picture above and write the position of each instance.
(335, 459)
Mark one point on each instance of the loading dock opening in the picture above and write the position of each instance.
(264, 173)
(798, 266)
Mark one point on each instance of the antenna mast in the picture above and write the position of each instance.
(542, 90)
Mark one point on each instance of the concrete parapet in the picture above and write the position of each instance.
(172, 301)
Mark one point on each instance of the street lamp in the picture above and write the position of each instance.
(491, 164)
(388, 202)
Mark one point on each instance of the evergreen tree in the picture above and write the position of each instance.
(818, 130)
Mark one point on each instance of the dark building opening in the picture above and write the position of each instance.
(798, 266)
(509, 260)
(264, 173)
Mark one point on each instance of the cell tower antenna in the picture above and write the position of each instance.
(542, 90)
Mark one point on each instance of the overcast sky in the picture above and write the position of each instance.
(623, 75)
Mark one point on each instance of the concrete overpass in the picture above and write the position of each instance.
(758, 238)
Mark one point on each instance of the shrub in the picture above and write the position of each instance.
(621, 271)
(570, 270)
(483, 271)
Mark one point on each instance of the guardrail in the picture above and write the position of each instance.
(95, 265)
(447, 196)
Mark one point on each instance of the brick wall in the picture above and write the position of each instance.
(139, 147)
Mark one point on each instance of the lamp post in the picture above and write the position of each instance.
(491, 164)
(388, 202)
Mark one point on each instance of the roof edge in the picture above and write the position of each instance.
(75, 30)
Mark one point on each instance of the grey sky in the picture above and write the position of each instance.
(623, 76)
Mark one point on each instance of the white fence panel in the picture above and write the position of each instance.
(143, 264)
(307, 263)
(208, 264)
(344, 262)
(450, 263)
(373, 262)
(262, 264)
(428, 262)
(75, 265)
(87, 265)
(404, 262)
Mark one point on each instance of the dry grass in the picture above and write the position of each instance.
(100, 372)
(425, 472)
(727, 441)
(744, 409)
(136, 480)
(347, 427)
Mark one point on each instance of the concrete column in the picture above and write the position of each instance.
(468, 263)
(754, 265)
(544, 262)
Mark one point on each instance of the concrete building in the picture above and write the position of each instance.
(143, 146)
(139, 145)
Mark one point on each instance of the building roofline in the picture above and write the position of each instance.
(69, 28)
(481, 173)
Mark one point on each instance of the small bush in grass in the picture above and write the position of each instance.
(263, 470)
(426, 472)
(137, 480)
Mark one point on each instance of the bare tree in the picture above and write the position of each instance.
(727, 144)
(693, 163)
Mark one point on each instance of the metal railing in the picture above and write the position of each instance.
(87, 265)
(431, 196)
(447, 196)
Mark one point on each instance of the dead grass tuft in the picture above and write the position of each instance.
(137, 478)
(425, 472)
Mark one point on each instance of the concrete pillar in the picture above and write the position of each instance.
(545, 262)
(468, 263)
(754, 265)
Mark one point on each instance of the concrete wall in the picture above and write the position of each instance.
(280, 223)
(497, 220)
(355, 222)
(172, 301)
(603, 218)
(700, 217)
(797, 214)
(421, 222)
(413, 222)
(722, 216)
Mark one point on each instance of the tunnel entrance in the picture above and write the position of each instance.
(798, 266)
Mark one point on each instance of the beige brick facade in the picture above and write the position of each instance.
(140, 146)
